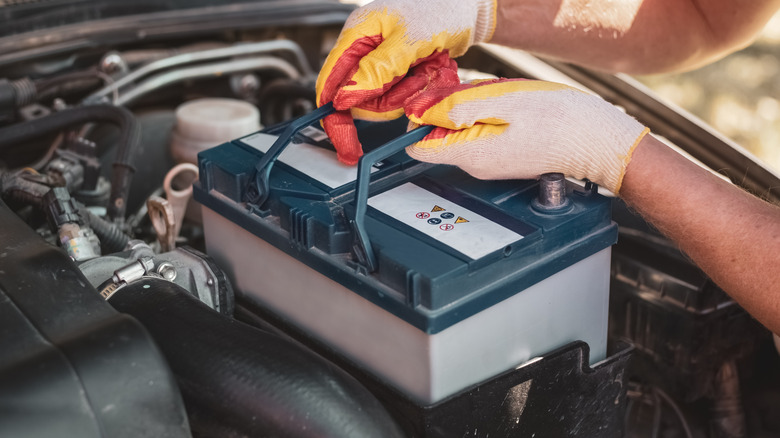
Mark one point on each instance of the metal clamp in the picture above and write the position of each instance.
(259, 186)
(362, 246)
(125, 275)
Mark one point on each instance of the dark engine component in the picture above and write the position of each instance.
(194, 271)
(124, 119)
(557, 395)
(689, 335)
(685, 328)
(13, 95)
(237, 380)
(67, 355)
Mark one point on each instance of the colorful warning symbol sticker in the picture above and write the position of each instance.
(446, 227)
(423, 215)
(437, 208)
(461, 220)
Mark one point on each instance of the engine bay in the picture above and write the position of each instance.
(131, 309)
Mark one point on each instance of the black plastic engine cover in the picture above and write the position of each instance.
(71, 366)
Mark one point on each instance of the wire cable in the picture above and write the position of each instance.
(669, 401)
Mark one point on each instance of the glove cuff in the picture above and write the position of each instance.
(626, 159)
(601, 140)
(486, 20)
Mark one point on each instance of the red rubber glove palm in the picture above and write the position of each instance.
(388, 51)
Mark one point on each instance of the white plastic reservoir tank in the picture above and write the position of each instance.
(205, 123)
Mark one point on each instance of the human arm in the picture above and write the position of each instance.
(731, 235)
(632, 36)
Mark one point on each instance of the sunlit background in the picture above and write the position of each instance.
(738, 95)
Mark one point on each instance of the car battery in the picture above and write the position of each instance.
(429, 279)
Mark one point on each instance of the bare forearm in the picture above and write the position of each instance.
(733, 236)
(632, 36)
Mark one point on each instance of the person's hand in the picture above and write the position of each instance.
(388, 51)
(520, 129)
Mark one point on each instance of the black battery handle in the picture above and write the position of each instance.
(259, 186)
(362, 245)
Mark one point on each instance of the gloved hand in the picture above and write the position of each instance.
(514, 128)
(365, 74)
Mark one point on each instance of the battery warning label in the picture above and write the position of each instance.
(457, 227)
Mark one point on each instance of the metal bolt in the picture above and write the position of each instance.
(552, 190)
(58, 104)
(112, 63)
(167, 271)
(552, 197)
(245, 85)
(147, 263)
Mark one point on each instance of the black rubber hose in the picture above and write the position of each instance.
(275, 99)
(13, 187)
(237, 380)
(16, 94)
(112, 239)
(129, 137)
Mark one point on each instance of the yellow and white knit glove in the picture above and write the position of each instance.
(520, 129)
(365, 74)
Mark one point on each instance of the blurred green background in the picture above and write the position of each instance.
(738, 95)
